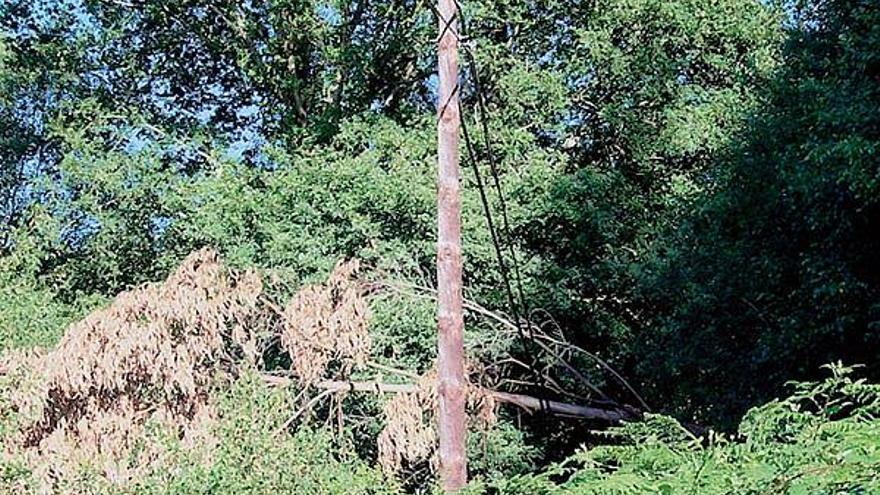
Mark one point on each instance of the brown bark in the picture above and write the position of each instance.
(450, 321)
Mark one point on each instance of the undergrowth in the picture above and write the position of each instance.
(823, 439)
(250, 452)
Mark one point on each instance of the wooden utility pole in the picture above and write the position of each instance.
(450, 320)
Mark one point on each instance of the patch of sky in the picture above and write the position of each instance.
(67, 18)
(247, 111)
(30, 110)
(30, 167)
(136, 143)
(200, 12)
(159, 225)
(329, 13)
(207, 113)
(432, 84)
(78, 228)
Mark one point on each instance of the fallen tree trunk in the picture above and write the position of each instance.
(526, 402)
(533, 404)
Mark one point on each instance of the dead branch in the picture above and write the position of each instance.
(562, 342)
(533, 404)
(527, 403)
(504, 321)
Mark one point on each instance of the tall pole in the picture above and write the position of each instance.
(450, 321)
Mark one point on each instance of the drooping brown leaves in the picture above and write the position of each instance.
(410, 433)
(151, 356)
(148, 356)
(325, 323)
(158, 337)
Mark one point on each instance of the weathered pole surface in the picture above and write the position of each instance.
(450, 320)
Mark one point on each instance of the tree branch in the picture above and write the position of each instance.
(526, 402)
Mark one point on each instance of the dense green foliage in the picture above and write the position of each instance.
(775, 272)
(822, 439)
(692, 188)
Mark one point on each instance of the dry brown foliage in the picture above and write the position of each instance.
(149, 356)
(410, 432)
(325, 323)
(329, 323)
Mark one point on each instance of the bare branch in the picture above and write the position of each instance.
(526, 402)
(539, 333)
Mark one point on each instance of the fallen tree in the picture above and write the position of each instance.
(156, 354)
(527, 403)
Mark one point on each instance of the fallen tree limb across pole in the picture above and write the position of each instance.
(533, 404)
(525, 402)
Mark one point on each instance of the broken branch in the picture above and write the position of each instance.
(526, 402)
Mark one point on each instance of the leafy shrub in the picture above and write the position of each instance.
(30, 312)
(823, 439)
(255, 454)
